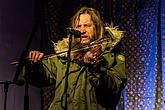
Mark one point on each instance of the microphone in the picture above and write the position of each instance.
(74, 32)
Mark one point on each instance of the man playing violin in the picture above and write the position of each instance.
(96, 75)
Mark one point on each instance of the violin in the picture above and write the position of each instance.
(94, 46)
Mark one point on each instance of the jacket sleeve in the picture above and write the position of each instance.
(41, 73)
(109, 74)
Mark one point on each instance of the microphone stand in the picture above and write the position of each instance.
(6, 87)
(64, 96)
(22, 62)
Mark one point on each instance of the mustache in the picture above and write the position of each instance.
(83, 33)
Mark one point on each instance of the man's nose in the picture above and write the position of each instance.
(82, 29)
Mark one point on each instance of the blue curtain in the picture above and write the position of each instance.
(143, 51)
(162, 45)
(144, 45)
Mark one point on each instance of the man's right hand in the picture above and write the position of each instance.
(35, 56)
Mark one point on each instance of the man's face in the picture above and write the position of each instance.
(85, 25)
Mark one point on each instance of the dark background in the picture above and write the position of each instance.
(17, 18)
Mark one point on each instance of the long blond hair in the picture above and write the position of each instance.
(95, 17)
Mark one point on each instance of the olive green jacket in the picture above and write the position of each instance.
(90, 87)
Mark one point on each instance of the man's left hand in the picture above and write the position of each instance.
(93, 55)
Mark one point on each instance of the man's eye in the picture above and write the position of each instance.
(78, 26)
(88, 25)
